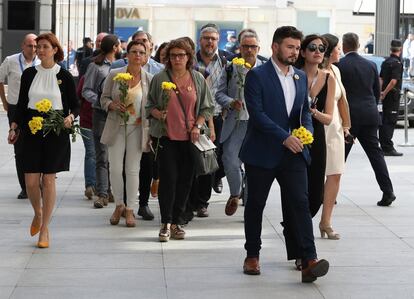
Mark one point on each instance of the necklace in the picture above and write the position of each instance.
(179, 77)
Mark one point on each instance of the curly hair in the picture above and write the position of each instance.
(180, 44)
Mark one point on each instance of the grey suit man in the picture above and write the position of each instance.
(230, 96)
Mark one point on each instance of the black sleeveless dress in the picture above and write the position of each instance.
(316, 170)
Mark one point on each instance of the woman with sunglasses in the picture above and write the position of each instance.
(129, 137)
(177, 116)
(335, 134)
(321, 88)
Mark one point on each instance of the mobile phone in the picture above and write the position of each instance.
(349, 138)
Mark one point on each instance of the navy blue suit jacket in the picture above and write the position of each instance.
(269, 124)
(361, 82)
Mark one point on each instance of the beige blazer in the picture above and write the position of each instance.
(343, 106)
(113, 121)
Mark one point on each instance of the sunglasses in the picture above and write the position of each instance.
(314, 47)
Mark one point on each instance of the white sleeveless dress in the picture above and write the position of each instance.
(334, 134)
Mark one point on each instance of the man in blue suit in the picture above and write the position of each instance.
(361, 82)
(277, 101)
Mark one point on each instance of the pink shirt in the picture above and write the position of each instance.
(176, 128)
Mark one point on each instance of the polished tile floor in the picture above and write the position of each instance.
(89, 258)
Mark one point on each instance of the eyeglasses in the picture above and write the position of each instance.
(314, 47)
(210, 38)
(180, 56)
(247, 47)
(139, 53)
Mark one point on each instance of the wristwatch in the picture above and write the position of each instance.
(198, 126)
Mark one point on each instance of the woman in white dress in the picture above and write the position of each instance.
(335, 143)
(44, 156)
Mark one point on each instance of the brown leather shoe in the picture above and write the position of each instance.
(315, 269)
(251, 266)
(231, 206)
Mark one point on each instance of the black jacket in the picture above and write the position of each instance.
(361, 82)
(67, 89)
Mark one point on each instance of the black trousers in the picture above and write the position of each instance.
(200, 192)
(145, 178)
(176, 172)
(218, 125)
(367, 136)
(386, 130)
(18, 150)
(291, 175)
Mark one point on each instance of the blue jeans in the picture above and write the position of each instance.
(231, 161)
(101, 153)
(89, 162)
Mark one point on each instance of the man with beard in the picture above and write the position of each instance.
(213, 60)
(277, 101)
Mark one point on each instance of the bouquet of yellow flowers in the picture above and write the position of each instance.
(166, 87)
(242, 67)
(53, 121)
(304, 135)
(122, 79)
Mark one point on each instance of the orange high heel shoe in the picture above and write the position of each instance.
(34, 229)
(44, 244)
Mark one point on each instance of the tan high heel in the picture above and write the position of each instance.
(328, 230)
(35, 226)
(116, 215)
(44, 244)
(129, 218)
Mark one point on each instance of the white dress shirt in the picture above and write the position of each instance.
(10, 72)
(288, 85)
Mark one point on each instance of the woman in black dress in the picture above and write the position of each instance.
(44, 156)
(321, 89)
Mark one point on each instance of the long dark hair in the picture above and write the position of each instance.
(107, 46)
(308, 39)
(332, 43)
(157, 56)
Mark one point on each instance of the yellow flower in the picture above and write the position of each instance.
(43, 105)
(123, 77)
(35, 124)
(168, 85)
(238, 61)
(304, 135)
(248, 65)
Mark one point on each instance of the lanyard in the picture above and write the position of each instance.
(21, 64)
